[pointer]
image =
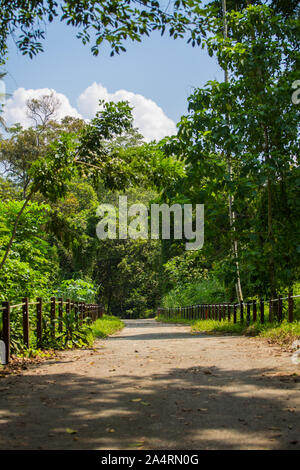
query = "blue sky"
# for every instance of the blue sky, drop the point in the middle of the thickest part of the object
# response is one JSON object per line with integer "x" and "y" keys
{"x": 159, "y": 68}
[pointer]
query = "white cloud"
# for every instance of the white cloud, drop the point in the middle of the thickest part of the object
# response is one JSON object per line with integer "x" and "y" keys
{"x": 15, "y": 107}
{"x": 149, "y": 118}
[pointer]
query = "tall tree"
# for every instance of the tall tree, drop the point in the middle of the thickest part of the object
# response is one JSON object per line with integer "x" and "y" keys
{"x": 73, "y": 155}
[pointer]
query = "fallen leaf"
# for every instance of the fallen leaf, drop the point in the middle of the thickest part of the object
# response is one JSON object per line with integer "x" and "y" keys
{"x": 71, "y": 431}
{"x": 137, "y": 444}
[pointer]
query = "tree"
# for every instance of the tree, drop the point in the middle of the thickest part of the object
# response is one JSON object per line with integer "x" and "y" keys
{"x": 32, "y": 266}
{"x": 261, "y": 137}
{"x": 17, "y": 153}
{"x": 42, "y": 110}
{"x": 126, "y": 270}
{"x": 274, "y": 63}
{"x": 26, "y": 145}
{"x": 73, "y": 155}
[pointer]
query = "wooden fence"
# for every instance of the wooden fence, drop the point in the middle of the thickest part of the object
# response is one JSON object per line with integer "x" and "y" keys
{"x": 57, "y": 309}
{"x": 251, "y": 311}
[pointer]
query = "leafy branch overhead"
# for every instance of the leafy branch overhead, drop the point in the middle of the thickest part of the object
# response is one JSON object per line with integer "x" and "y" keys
{"x": 116, "y": 22}
{"x": 111, "y": 21}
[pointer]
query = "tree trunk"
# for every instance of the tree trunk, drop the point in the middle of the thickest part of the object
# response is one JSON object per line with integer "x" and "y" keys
{"x": 234, "y": 242}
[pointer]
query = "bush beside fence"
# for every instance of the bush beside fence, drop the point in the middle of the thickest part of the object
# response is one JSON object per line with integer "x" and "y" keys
{"x": 58, "y": 308}
{"x": 251, "y": 311}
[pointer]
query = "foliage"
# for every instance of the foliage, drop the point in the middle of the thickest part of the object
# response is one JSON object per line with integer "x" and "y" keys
{"x": 30, "y": 270}
{"x": 115, "y": 22}
{"x": 75, "y": 333}
{"x": 106, "y": 325}
{"x": 194, "y": 293}
{"x": 108, "y": 20}
{"x": 127, "y": 273}
{"x": 241, "y": 140}
{"x": 8, "y": 191}
{"x": 236, "y": 152}
{"x": 77, "y": 290}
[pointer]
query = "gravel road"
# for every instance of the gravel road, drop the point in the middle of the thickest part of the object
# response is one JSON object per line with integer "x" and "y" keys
{"x": 156, "y": 386}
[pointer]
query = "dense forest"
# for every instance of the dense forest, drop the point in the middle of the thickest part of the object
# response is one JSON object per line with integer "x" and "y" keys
{"x": 236, "y": 151}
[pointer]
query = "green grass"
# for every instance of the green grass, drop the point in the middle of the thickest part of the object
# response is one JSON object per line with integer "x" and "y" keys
{"x": 174, "y": 319}
{"x": 278, "y": 333}
{"x": 106, "y": 326}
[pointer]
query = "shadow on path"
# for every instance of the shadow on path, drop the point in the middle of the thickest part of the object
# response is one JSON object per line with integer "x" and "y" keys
{"x": 184, "y": 409}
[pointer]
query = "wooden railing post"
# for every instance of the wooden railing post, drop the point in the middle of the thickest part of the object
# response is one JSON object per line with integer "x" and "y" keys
{"x": 270, "y": 310}
{"x": 229, "y": 312}
{"x": 6, "y": 329}
{"x": 234, "y": 313}
{"x": 39, "y": 331}
{"x": 68, "y": 305}
{"x": 76, "y": 311}
{"x": 262, "y": 311}
{"x": 254, "y": 311}
{"x": 280, "y": 308}
{"x": 248, "y": 313}
{"x": 25, "y": 309}
{"x": 290, "y": 308}
{"x": 241, "y": 311}
{"x": 52, "y": 316}
{"x": 60, "y": 314}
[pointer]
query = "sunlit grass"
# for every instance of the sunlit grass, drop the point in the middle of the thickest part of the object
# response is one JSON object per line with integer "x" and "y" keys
{"x": 105, "y": 326}
{"x": 283, "y": 333}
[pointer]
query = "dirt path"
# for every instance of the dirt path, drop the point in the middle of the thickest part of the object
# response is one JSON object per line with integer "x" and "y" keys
{"x": 155, "y": 386}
